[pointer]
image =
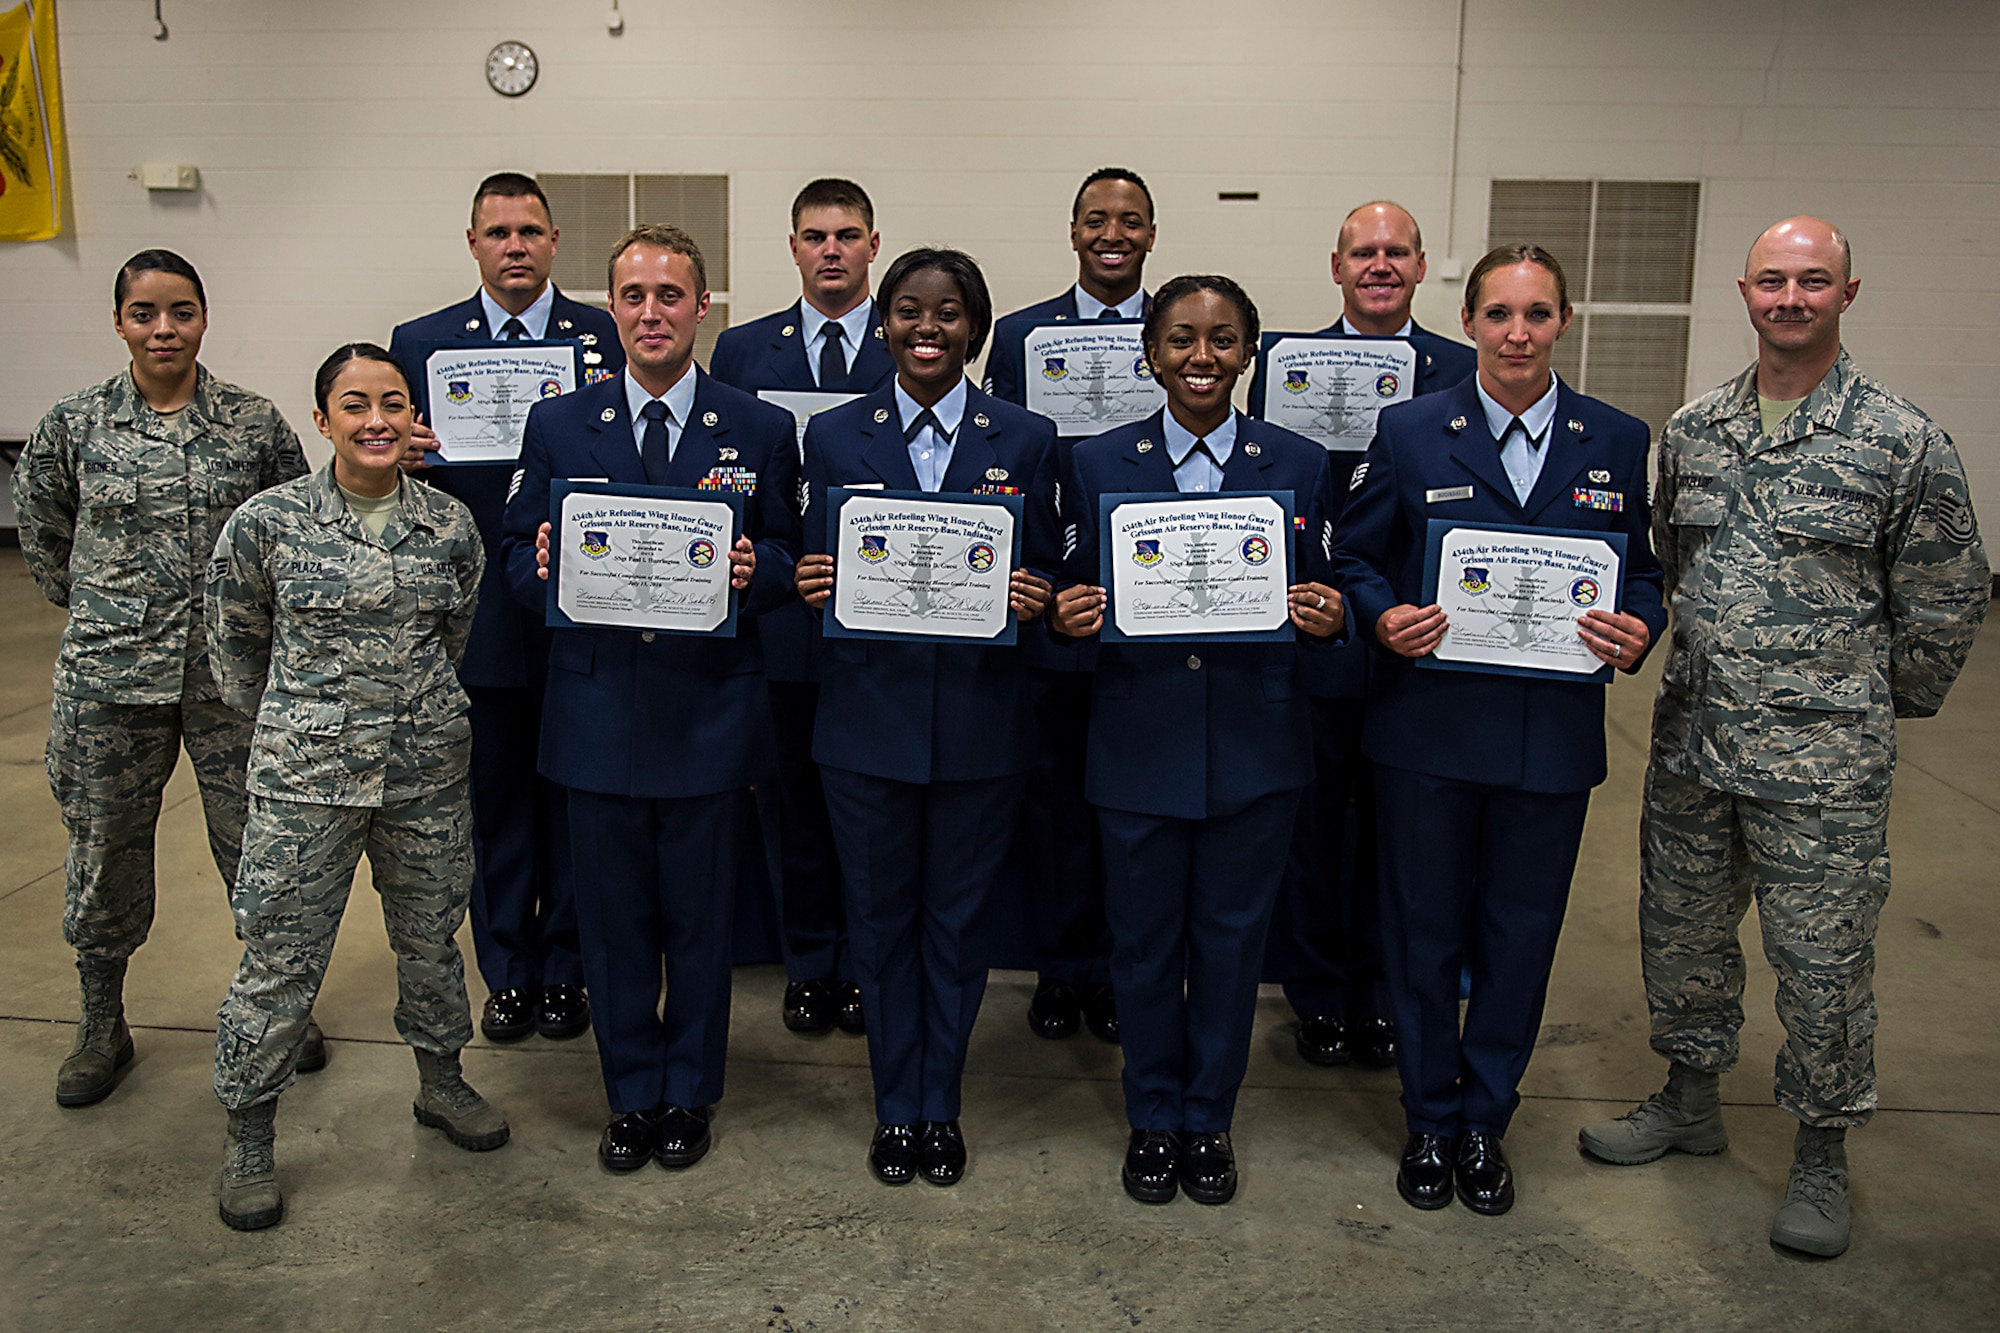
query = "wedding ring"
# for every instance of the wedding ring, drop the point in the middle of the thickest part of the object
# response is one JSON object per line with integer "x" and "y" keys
{"x": 1618, "y": 650}
{"x": 1322, "y": 601}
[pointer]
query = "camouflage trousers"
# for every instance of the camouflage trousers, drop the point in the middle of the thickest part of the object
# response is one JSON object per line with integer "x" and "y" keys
{"x": 108, "y": 764}
{"x": 1819, "y": 876}
{"x": 298, "y": 867}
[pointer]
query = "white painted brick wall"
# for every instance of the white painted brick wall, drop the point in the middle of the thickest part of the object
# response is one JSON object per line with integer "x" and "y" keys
{"x": 338, "y": 145}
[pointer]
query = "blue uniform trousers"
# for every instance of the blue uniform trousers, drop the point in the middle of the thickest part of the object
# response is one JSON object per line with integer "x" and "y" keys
{"x": 798, "y": 842}
{"x": 918, "y": 861}
{"x": 1190, "y": 903}
{"x": 523, "y": 910}
{"x": 1329, "y": 926}
{"x": 1060, "y": 857}
{"x": 1475, "y": 878}
{"x": 656, "y": 877}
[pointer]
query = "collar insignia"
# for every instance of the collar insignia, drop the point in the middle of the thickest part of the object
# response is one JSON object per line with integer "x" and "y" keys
{"x": 564, "y": 324}
{"x": 785, "y": 332}
{"x": 1253, "y": 449}
{"x": 881, "y": 415}
{"x": 471, "y": 324}
{"x": 1145, "y": 446}
{"x": 1456, "y": 425}
{"x": 1576, "y": 425}
{"x": 979, "y": 420}
{"x": 709, "y": 418}
{"x": 609, "y": 414}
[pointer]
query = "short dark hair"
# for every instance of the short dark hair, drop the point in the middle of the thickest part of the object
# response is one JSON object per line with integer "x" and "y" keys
{"x": 329, "y": 369}
{"x": 962, "y": 269}
{"x": 1110, "y": 174}
{"x": 155, "y": 261}
{"x": 833, "y": 192}
{"x": 1505, "y": 256}
{"x": 1173, "y": 289}
{"x": 511, "y": 185}
{"x": 665, "y": 236}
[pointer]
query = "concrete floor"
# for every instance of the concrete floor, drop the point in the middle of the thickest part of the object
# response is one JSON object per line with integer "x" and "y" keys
{"x": 107, "y": 1215}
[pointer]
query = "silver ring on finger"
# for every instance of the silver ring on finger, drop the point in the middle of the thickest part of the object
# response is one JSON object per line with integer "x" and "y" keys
{"x": 1618, "y": 650}
{"x": 1322, "y": 601}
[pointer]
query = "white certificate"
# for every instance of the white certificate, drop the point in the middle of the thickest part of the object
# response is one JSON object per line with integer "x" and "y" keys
{"x": 1088, "y": 378}
{"x": 1191, "y": 568}
{"x": 480, "y": 396}
{"x": 1512, "y": 599}
{"x": 803, "y": 405}
{"x": 643, "y": 562}
{"x": 1332, "y": 389}
{"x": 932, "y": 568}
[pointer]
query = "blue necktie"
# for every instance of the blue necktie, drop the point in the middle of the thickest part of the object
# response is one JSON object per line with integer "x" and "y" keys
{"x": 832, "y": 365}
{"x": 653, "y": 447}
{"x": 513, "y": 330}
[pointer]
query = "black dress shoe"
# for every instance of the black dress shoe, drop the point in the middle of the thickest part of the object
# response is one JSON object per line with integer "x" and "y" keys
{"x": 1100, "y": 1012}
{"x": 809, "y": 1005}
{"x": 1374, "y": 1043}
{"x": 941, "y": 1152}
{"x": 1208, "y": 1168}
{"x": 1485, "y": 1181}
{"x": 563, "y": 1013}
{"x": 1152, "y": 1165}
{"x": 683, "y": 1136}
{"x": 509, "y": 1014}
{"x": 1322, "y": 1040}
{"x": 1424, "y": 1178}
{"x": 628, "y": 1141}
{"x": 848, "y": 1015}
{"x": 1056, "y": 1011}
{"x": 892, "y": 1157}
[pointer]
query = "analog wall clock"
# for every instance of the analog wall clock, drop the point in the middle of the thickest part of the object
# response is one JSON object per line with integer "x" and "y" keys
{"x": 511, "y": 68}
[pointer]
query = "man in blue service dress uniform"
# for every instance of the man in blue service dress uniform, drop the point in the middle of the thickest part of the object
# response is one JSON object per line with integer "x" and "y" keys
{"x": 1484, "y": 779}
{"x": 828, "y": 341}
{"x": 1329, "y": 926}
{"x": 1111, "y": 229}
{"x": 657, "y": 735}
{"x": 523, "y": 913}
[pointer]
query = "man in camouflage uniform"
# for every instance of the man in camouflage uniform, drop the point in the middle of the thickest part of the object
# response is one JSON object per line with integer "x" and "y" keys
{"x": 342, "y": 638}
{"x": 121, "y": 490}
{"x": 1826, "y": 577}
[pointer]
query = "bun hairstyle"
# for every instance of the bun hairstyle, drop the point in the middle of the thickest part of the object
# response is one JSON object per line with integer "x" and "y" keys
{"x": 1174, "y": 289}
{"x": 1506, "y": 256}
{"x": 329, "y": 369}
{"x": 155, "y": 261}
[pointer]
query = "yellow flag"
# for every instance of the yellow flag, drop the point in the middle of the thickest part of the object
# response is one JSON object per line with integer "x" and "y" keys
{"x": 33, "y": 167}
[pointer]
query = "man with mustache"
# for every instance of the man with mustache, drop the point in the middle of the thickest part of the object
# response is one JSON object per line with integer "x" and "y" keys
{"x": 1826, "y": 577}
{"x": 1111, "y": 229}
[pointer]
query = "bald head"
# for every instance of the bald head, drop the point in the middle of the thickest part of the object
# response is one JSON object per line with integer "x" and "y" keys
{"x": 1377, "y": 264}
{"x": 1382, "y": 212}
{"x": 1811, "y": 239}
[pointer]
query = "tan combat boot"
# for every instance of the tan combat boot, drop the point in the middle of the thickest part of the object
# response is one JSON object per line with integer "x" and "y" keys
{"x": 103, "y": 1042}
{"x": 446, "y": 1101}
{"x": 250, "y": 1199}
{"x": 1685, "y": 1116}
{"x": 1814, "y": 1217}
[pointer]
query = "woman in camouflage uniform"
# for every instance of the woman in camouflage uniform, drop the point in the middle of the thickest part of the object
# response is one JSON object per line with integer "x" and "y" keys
{"x": 338, "y": 606}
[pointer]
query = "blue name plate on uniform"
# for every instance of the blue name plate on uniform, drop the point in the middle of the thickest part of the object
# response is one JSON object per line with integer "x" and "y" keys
{"x": 1514, "y": 593}
{"x": 646, "y": 566}
{"x": 1200, "y": 567}
{"x": 922, "y": 566}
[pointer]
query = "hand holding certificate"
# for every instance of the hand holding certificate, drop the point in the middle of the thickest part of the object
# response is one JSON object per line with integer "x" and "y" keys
{"x": 1520, "y": 601}
{"x": 479, "y": 396}
{"x": 653, "y": 558}
{"x": 910, "y": 565}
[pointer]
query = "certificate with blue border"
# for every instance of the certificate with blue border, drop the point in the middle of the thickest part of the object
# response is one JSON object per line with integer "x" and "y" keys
{"x": 642, "y": 557}
{"x": 922, "y": 566}
{"x": 1181, "y": 568}
{"x": 1512, "y": 596}
{"x": 476, "y": 395}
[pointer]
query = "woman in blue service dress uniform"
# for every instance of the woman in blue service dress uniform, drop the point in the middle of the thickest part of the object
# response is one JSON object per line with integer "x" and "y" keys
{"x": 1197, "y": 752}
{"x": 1483, "y": 779}
{"x": 924, "y": 747}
